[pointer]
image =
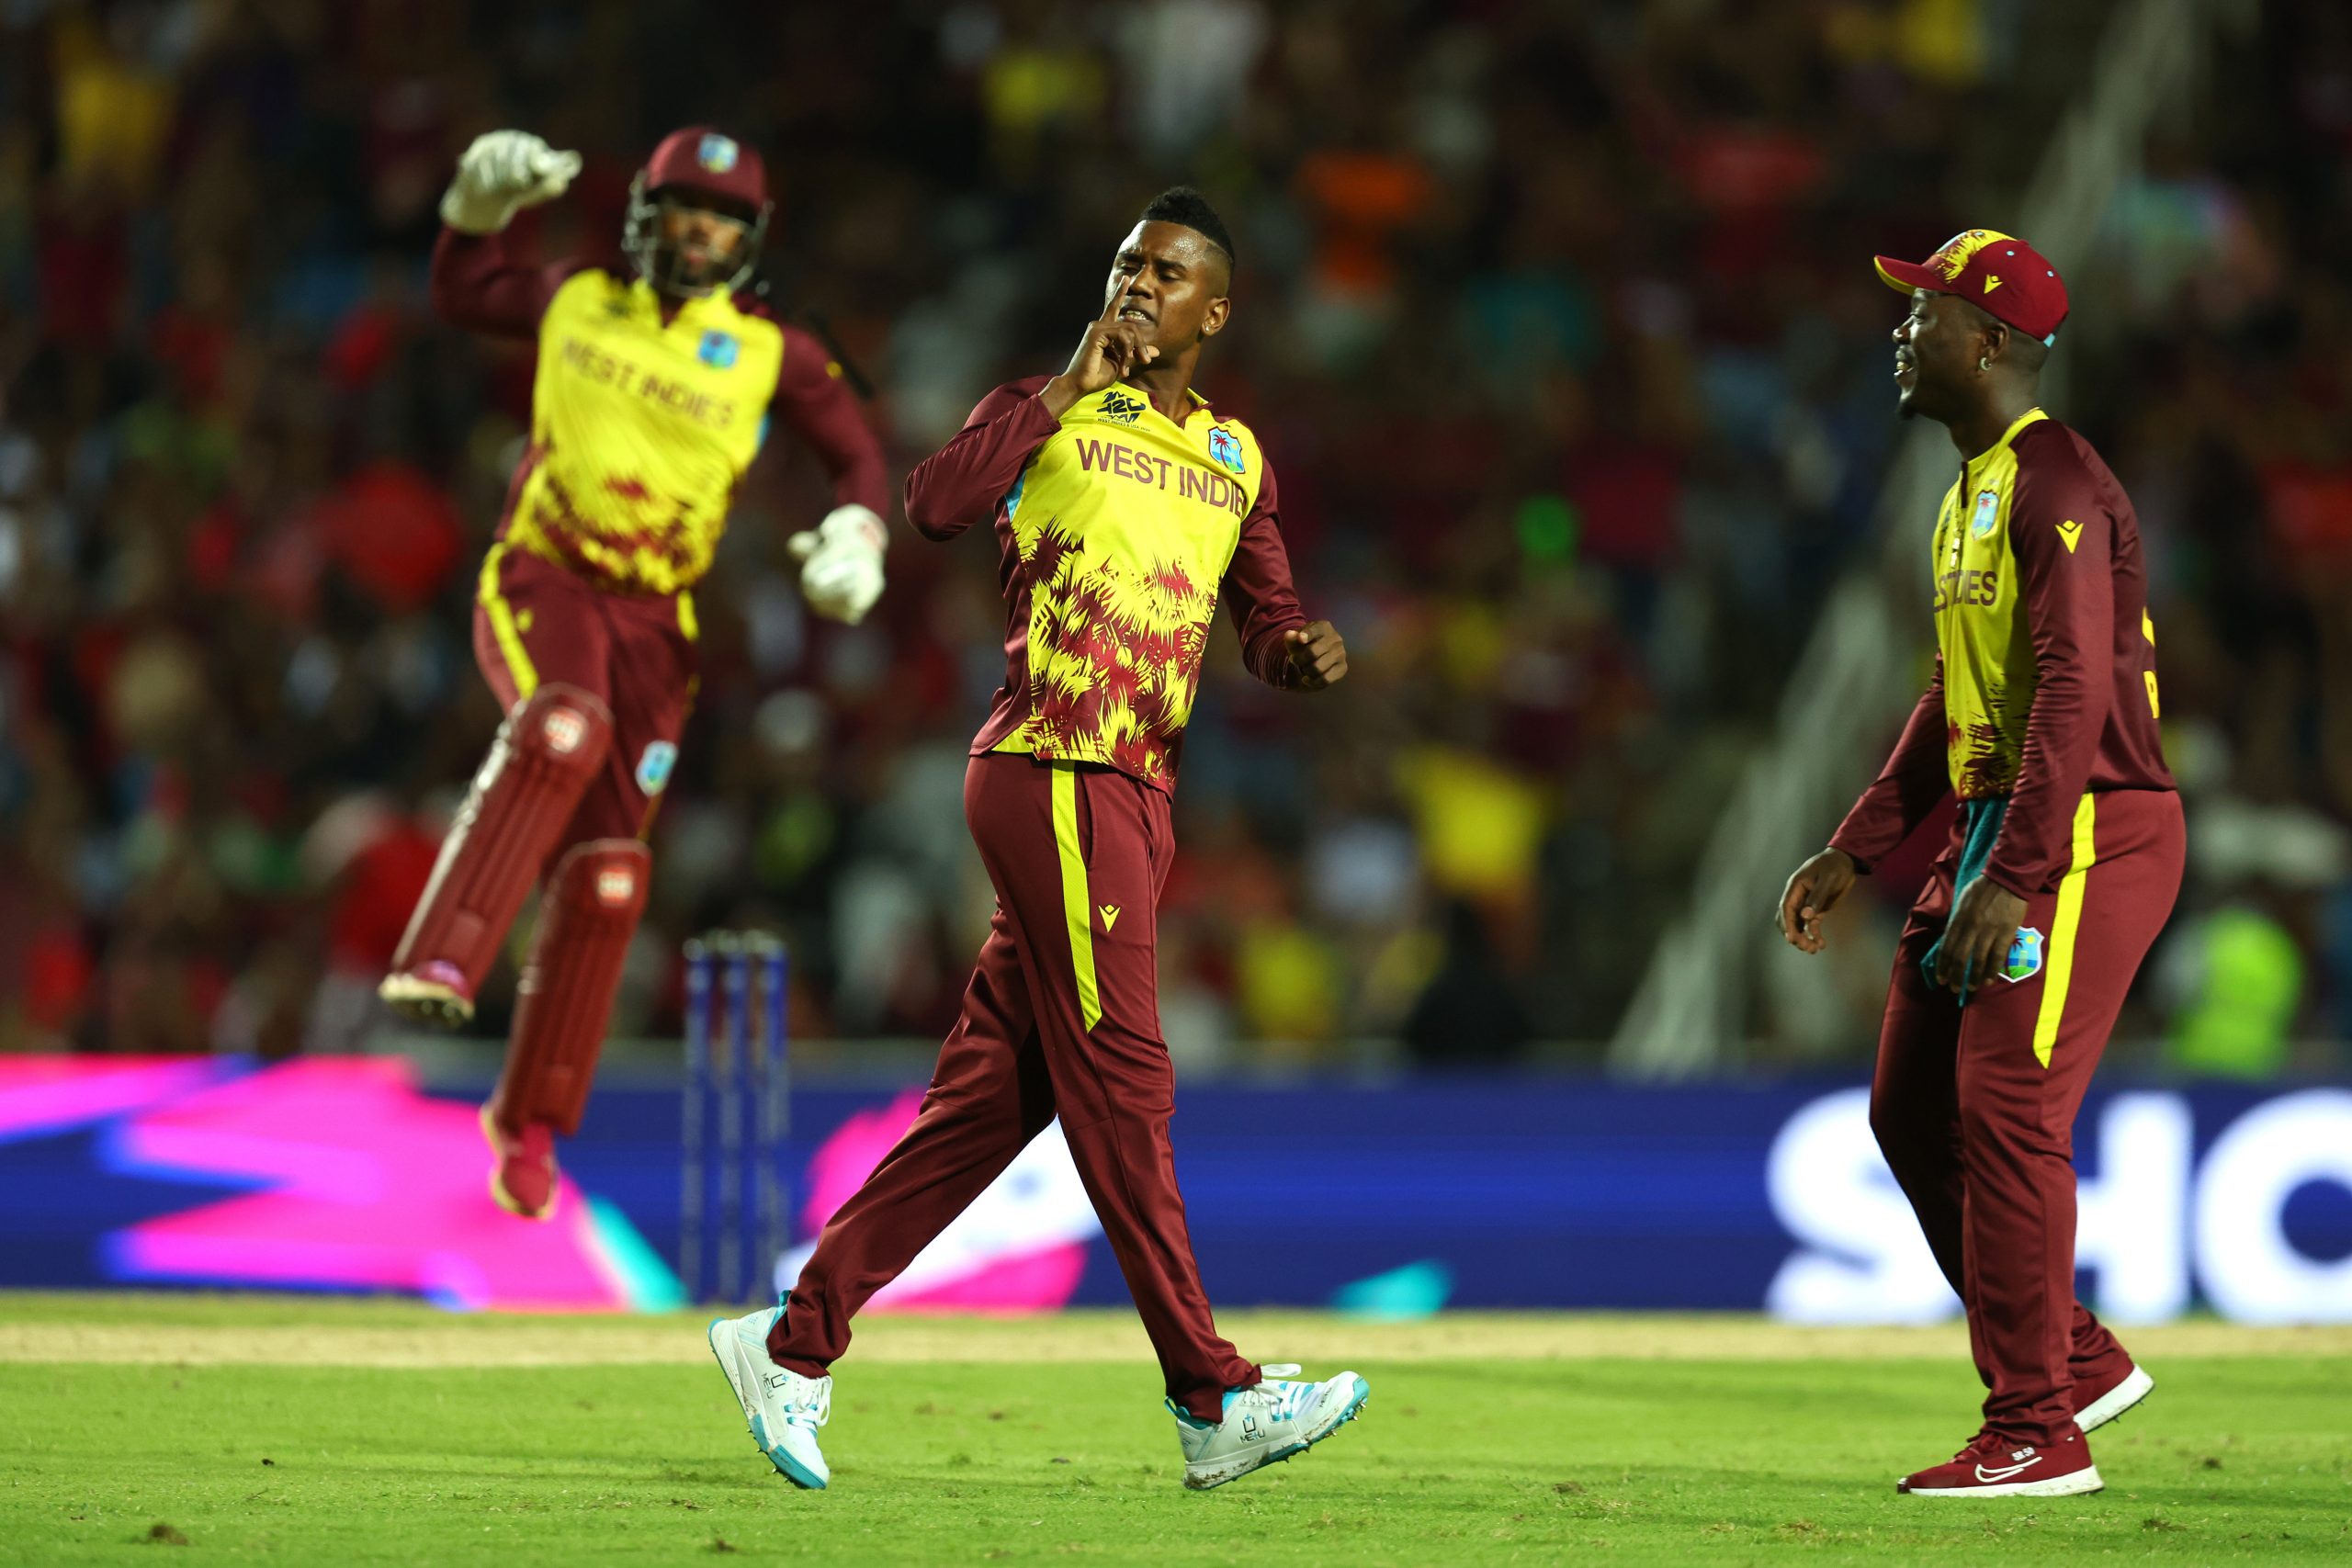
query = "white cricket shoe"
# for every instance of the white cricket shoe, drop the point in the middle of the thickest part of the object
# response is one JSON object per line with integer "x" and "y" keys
{"x": 783, "y": 1408}
{"x": 1265, "y": 1425}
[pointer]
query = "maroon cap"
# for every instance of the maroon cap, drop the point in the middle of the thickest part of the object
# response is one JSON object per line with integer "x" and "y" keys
{"x": 2008, "y": 279}
{"x": 712, "y": 161}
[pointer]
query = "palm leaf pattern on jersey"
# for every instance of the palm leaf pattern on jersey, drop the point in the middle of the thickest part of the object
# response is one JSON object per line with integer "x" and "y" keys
{"x": 1115, "y": 654}
{"x": 1985, "y": 756}
{"x": 626, "y": 544}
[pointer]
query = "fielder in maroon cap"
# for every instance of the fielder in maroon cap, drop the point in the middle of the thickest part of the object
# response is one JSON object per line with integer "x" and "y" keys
{"x": 652, "y": 398}
{"x": 2061, "y": 867}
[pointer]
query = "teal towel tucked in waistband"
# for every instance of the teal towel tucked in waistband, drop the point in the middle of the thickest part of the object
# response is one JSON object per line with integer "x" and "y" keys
{"x": 1981, "y": 823}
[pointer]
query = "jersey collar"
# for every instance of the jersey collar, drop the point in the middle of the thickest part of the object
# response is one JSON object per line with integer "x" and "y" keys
{"x": 1199, "y": 404}
{"x": 2029, "y": 417}
{"x": 2023, "y": 420}
{"x": 1995, "y": 450}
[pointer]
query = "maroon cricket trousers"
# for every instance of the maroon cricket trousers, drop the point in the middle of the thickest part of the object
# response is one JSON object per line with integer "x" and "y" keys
{"x": 1974, "y": 1107}
{"x": 536, "y": 622}
{"x": 1062, "y": 1017}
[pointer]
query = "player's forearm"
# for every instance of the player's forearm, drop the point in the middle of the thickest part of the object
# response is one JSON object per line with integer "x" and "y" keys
{"x": 475, "y": 286}
{"x": 2036, "y": 842}
{"x": 961, "y": 484}
{"x": 1915, "y": 780}
{"x": 462, "y": 267}
{"x": 1265, "y": 597}
{"x": 851, "y": 452}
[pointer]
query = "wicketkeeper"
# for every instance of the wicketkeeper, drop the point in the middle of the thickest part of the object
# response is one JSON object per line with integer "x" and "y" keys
{"x": 654, "y": 393}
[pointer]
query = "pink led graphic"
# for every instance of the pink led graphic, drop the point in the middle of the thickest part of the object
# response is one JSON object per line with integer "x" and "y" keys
{"x": 1020, "y": 1247}
{"x": 370, "y": 1185}
{"x": 49, "y": 1094}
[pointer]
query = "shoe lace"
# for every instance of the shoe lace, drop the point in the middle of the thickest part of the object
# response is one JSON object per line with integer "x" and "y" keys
{"x": 1275, "y": 1395}
{"x": 1987, "y": 1442}
{"x": 810, "y": 1409}
{"x": 807, "y": 1401}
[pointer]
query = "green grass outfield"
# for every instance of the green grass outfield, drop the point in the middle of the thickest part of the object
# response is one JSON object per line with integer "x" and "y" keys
{"x": 325, "y": 1431}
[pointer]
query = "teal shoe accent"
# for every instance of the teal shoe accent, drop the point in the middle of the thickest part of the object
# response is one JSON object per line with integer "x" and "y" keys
{"x": 1348, "y": 1413}
{"x": 1357, "y": 1397}
{"x": 1189, "y": 1419}
{"x": 807, "y": 1480}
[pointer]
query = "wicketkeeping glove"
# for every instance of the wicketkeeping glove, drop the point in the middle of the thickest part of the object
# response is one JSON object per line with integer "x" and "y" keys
{"x": 500, "y": 174}
{"x": 841, "y": 571}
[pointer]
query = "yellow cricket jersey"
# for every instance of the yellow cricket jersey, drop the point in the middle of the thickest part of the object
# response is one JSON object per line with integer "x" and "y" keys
{"x": 2045, "y": 692}
{"x": 641, "y": 426}
{"x": 1118, "y": 525}
{"x": 2046, "y": 688}
{"x": 641, "y": 430}
{"x": 1988, "y": 663}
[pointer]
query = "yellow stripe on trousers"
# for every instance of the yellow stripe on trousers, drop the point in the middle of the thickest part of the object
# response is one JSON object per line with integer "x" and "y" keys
{"x": 2064, "y": 928}
{"x": 1078, "y": 905}
{"x": 501, "y": 625}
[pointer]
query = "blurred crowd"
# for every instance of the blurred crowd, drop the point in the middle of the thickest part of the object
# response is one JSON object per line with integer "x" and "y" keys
{"x": 2227, "y": 408}
{"x": 1556, "y": 320}
{"x": 2209, "y": 360}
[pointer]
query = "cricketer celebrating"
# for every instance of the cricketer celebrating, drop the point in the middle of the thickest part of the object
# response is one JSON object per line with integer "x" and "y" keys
{"x": 1120, "y": 500}
{"x": 2061, "y": 867}
{"x": 652, "y": 397}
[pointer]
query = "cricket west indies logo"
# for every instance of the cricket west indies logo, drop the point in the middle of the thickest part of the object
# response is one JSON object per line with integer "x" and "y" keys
{"x": 1225, "y": 447}
{"x": 654, "y": 767}
{"x": 717, "y": 153}
{"x": 2024, "y": 961}
{"x": 719, "y": 350}
{"x": 1020, "y": 1247}
{"x": 1121, "y": 408}
{"x": 1987, "y": 513}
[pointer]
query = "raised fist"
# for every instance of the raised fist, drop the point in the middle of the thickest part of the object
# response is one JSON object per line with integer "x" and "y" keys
{"x": 500, "y": 174}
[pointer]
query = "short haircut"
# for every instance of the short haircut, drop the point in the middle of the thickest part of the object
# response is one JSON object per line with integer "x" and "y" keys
{"x": 1184, "y": 206}
{"x": 2028, "y": 351}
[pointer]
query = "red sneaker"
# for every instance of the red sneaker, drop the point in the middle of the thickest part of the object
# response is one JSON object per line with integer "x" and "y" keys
{"x": 524, "y": 1180}
{"x": 2096, "y": 1406}
{"x": 433, "y": 994}
{"x": 1996, "y": 1467}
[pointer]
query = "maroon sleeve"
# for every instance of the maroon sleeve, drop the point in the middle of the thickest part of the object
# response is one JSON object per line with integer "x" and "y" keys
{"x": 1916, "y": 777}
{"x": 2062, "y": 538}
{"x": 961, "y": 483}
{"x": 476, "y": 284}
{"x": 816, "y": 403}
{"x": 1265, "y": 605}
